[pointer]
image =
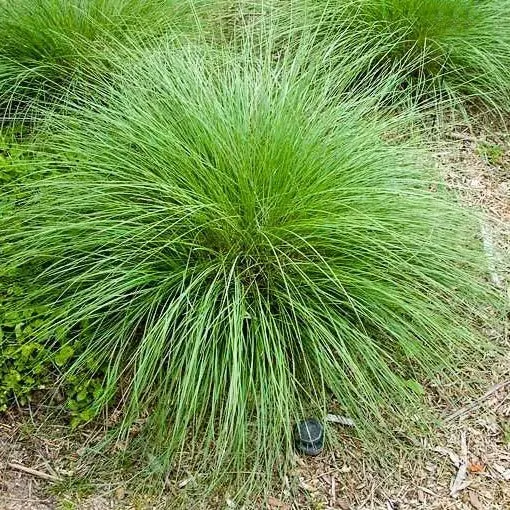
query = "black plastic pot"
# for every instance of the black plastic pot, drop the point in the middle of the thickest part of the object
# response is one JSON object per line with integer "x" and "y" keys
{"x": 309, "y": 437}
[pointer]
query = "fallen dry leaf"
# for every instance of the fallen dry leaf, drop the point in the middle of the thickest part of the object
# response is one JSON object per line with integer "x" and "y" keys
{"x": 455, "y": 459}
{"x": 343, "y": 504}
{"x": 183, "y": 483}
{"x": 476, "y": 467}
{"x": 460, "y": 483}
{"x": 277, "y": 503}
{"x": 120, "y": 493}
{"x": 475, "y": 502}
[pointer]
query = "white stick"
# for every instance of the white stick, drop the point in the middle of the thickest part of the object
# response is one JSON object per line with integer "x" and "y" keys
{"x": 488, "y": 246}
{"x": 33, "y": 472}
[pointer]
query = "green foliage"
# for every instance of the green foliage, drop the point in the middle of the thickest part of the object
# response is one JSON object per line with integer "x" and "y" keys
{"x": 12, "y": 153}
{"x": 491, "y": 153}
{"x": 28, "y": 368}
{"x": 505, "y": 429}
{"x": 243, "y": 251}
{"x": 455, "y": 50}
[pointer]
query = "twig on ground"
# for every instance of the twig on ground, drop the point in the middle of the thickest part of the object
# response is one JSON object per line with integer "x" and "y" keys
{"x": 462, "y": 136}
{"x": 460, "y": 483}
{"x": 33, "y": 472}
{"x": 340, "y": 420}
{"x": 477, "y": 403}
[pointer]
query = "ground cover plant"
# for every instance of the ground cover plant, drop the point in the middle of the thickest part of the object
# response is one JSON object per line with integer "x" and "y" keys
{"x": 46, "y": 45}
{"x": 447, "y": 50}
{"x": 28, "y": 369}
{"x": 245, "y": 253}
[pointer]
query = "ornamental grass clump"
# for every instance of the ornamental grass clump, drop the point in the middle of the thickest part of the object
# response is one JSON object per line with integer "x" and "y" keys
{"x": 246, "y": 256}
{"x": 445, "y": 50}
{"x": 47, "y": 45}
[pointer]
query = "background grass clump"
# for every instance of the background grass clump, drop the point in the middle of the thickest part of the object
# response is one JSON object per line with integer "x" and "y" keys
{"x": 444, "y": 50}
{"x": 46, "y": 45}
{"x": 244, "y": 253}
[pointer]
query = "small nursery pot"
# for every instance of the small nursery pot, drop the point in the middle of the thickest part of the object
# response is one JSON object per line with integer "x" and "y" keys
{"x": 309, "y": 437}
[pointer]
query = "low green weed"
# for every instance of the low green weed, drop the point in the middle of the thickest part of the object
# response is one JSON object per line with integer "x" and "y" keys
{"x": 29, "y": 370}
{"x": 491, "y": 153}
